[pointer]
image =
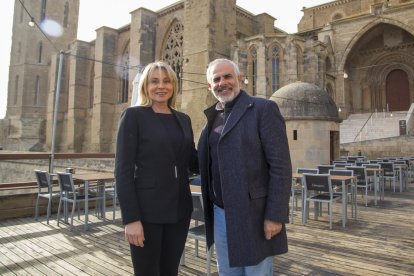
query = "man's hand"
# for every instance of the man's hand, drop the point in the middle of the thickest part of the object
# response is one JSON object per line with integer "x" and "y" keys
{"x": 271, "y": 228}
{"x": 134, "y": 233}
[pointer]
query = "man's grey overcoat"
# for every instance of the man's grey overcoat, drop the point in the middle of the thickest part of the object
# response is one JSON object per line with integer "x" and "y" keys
{"x": 256, "y": 173}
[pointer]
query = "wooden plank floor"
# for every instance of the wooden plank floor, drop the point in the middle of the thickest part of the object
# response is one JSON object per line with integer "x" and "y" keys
{"x": 381, "y": 242}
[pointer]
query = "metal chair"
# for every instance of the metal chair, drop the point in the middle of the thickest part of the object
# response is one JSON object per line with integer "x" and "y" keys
{"x": 198, "y": 232}
{"x": 110, "y": 191}
{"x": 296, "y": 190}
{"x": 337, "y": 186}
{"x": 68, "y": 194}
{"x": 44, "y": 190}
{"x": 402, "y": 173}
{"x": 318, "y": 189}
{"x": 325, "y": 168}
{"x": 362, "y": 180}
{"x": 389, "y": 173}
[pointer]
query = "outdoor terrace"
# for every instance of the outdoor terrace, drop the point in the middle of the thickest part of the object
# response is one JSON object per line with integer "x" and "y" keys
{"x": 381, "y": 242}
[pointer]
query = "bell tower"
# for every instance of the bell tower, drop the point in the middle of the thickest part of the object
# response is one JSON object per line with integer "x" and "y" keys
{"x": 54, "y": 29}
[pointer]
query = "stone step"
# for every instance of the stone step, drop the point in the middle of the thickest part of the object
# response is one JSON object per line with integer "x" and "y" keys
{"x": 366, "y": 127}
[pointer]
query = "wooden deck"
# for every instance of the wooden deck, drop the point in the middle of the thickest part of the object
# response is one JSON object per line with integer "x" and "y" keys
{"x": 381, "y": 242}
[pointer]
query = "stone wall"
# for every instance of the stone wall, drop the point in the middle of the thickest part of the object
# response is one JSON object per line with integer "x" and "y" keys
{"x": 393, "y": 147}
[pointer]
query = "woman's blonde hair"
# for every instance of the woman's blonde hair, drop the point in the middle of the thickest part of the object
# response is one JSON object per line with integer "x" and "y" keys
{"x": 145, "y": 100}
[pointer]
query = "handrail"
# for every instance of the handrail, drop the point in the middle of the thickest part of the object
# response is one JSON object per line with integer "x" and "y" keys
{"x": 46, "y": 155}
{"x": 11, "y": 156}
{"x": 363, "y": 126}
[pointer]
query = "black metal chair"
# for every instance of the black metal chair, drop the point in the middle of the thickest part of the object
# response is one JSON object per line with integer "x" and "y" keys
{"x": 375, "y": 176}
{"x": 323, "y": 169}
{"x": 337, "y": 186}
{"x": 318, "y": 189}
{"x": 296, "y": 190}
{"x": 45, "y": 190}
{"x": 68, "y": 194}
{"x": 198, "y": 232}
{"x": 110, "y": 191}
{"x": 389, "y": 173}
{"x": 362, "y": 180}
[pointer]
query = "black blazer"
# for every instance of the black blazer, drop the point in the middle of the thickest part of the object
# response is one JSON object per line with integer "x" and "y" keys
{"x": 152, "y": 182}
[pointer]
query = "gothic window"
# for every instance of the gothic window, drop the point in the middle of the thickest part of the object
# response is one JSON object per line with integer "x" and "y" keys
{"x": 328, "y": 64}
{"x": 173, "y": 50}
{"x": 37, "y": 91}
{"x": 330, "y": 91}
{"x": 19, "y": 51}
{"x": 123, "y": 95}
{"x": 91, "y": 86}
{"x": 275, "y": 67}
{"x": 21, "y": 13}
{"x": 40, "y": 50}
{"x": 16, "y": 89}
{"x": 252, "y": 70}
{"x": 43, "y": 10}
{"x": 66, "y": 15}
{"x": 299, "y": 63}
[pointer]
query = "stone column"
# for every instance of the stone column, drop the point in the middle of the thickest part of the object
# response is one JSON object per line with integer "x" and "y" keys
{"x": 78, "y": 96}
{"x": 261, "y": 70}
{"x": 142, "y": 43}
{"x": 105, "y": 92}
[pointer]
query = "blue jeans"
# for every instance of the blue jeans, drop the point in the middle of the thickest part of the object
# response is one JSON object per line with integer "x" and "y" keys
{"x": 264, "y": 268}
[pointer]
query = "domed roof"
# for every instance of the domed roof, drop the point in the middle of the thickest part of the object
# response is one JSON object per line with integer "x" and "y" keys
{"x": 302, "y": 100}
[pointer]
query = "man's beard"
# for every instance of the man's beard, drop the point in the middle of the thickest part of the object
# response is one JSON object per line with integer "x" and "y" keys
{"x": 226, "y": 98}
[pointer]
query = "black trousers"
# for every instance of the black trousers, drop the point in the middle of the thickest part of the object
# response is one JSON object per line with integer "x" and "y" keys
{"x": 163, "y": 246}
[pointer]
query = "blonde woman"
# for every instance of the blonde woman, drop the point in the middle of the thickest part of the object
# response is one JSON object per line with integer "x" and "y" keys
{"x": 154, "y": 152}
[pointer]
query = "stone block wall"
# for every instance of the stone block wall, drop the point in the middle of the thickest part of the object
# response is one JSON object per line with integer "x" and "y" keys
{"x": 372, "y": 149}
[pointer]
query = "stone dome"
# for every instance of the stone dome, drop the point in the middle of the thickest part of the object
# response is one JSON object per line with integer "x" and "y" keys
{"x": 302, "y": 100}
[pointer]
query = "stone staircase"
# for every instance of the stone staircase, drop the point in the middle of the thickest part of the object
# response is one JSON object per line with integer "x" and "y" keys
{"x": 367, "y": 126}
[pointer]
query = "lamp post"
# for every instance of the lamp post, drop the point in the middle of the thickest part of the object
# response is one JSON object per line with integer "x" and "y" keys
{"x": 55, "y": 112}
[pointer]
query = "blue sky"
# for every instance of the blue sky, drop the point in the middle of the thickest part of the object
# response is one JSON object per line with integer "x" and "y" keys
{"x": 116, "y": 14}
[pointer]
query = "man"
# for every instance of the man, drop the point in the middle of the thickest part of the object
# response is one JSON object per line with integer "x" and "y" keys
{"x": 245, "y": 174}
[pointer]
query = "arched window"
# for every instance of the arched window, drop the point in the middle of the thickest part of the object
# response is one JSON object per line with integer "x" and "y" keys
{"x": 16, "y": 89}
{"x": 43, "y": 10}
{"x": 330, "y": 91}
{"x": 37, "y": 91}
{"x": 299, "y": 63}
{"x": 19, "y": 51}
{"x": 328, "y": 64}
{"x": 91, "y": 86}
{"x": 66, "y": 15}
{"x": 123, "y": 95}
{"x": 173, "y": 50}
{"x": 21, "y": 13}
{"x": 252, "y": 70}
{"x": 275, "y": 67}
{"x": 40, "y": 52}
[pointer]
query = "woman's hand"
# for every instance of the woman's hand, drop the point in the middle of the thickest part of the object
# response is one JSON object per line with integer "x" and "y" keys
{"x": 134, "y": 233}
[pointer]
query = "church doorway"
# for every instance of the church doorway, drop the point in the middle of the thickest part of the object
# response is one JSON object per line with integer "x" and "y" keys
{"x": 397, "y": 91}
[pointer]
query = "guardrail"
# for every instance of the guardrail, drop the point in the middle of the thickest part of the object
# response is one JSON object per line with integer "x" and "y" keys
{"x": 13, "y": 156}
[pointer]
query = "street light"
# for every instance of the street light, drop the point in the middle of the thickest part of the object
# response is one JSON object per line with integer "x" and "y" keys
{"x": 31, "y": 22}
{"x": 55, "y": 113}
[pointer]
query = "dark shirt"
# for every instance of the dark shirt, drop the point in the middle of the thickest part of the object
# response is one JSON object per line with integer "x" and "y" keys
{"x": 176, "y": 137}
{"x": 215, "y": 133}
{"x": 173, "y": 130}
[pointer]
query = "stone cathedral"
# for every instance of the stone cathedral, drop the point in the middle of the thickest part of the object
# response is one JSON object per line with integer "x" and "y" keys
{"x": 361, "y": 52}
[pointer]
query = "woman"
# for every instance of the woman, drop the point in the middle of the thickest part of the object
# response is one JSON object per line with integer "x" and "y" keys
{"x": 154, "y": 152}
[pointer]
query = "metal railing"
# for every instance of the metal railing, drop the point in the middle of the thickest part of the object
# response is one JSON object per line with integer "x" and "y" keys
{"x": 15, "y": 156}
